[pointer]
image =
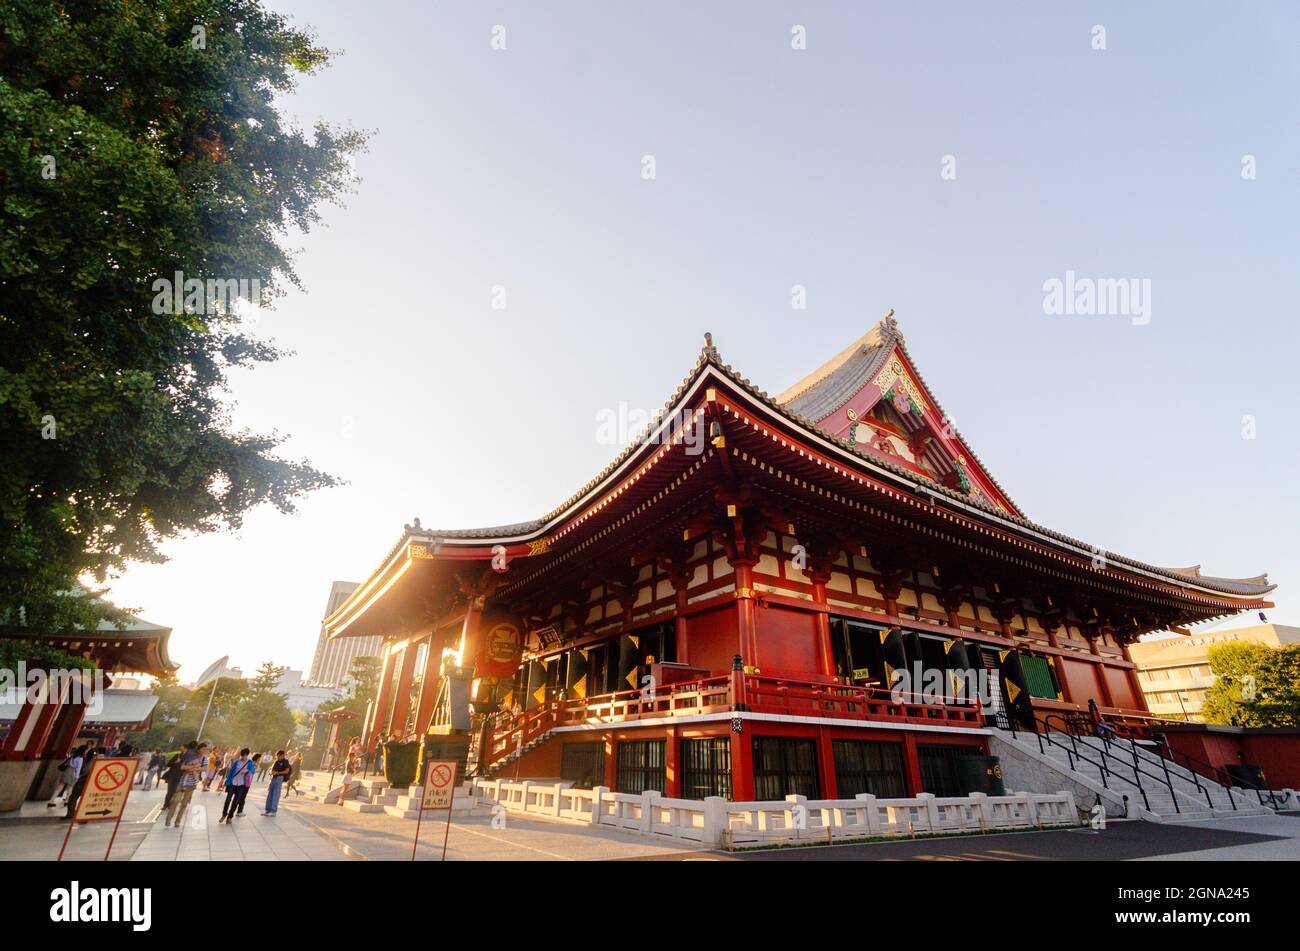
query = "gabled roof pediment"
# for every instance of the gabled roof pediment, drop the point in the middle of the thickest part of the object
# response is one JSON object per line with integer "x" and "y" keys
{"x": 871, "y": 394}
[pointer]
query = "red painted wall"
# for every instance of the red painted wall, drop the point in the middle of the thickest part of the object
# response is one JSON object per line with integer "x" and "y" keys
{"x": 1082, "y": 678}
{"x": 712, "y": 638}
{"x": 1277, "y": 753}
{"x": 1121, "y": 688}
{"x": 787, "y": 642}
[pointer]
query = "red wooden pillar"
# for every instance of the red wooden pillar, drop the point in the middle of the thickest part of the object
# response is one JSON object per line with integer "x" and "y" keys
{"x": 825, "y": 655}
{"x": 402, "y": 695}
{"x": 65, "y": 731}
{"x": 742, "y": 762}
{"x": 672, "y": 767}
{"x": 1099, "y": 673}
{"x": 821, "y": 563}
{"x": 611, "y": 763}
{"x": 912, "y": 764}
{"x": 682, "y": 629}
{"x": 826, "y": 764}
{"x": 429, "y": 683}
{"x": 32, "y": 727}
{"x": 383, "y": 697}
{"x": 746, "y": 637}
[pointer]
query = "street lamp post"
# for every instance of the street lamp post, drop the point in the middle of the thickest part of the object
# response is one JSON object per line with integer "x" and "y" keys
{"x": 207, "y": 710}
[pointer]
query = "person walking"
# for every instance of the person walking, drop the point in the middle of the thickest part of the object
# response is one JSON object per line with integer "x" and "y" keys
{"x": 263, "y": 767}
{"x": 142, "y": 766}
{"x": 295, "y": 774}
{"x": 69, "y": 773}
{"x": 238, "y": 776}
{"x": 154, "y": 770}
{"x": 279, "y": 770}
{"x": 253, "y": 765}
{"x": 171, "y": 775}
{"x": 192, "y": 760}
{"x": 75, "y": 794}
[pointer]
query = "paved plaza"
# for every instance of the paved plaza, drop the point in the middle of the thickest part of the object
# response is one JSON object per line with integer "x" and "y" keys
{"x": 306, "y": 830}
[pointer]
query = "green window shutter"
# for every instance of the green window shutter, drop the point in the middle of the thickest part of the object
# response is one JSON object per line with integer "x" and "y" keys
{"x": 1038, "y": 675}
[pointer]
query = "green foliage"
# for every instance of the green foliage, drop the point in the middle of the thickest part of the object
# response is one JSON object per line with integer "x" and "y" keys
{"x": 38, "y": 655}
{"x": 362, "y": 685}
{"x": 127, "y": 154}
{"x": 1255, "y": 686}
{"x": 243, "y": 713}
{"x": 164, "y": 732}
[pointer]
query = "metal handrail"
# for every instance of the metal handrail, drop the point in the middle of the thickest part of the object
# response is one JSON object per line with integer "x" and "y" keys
{"x": 1072, "y": 751}
{"x": 1138, "y": 772}
{"x": 1164, "y": 765}
{"x": 1222, "y": 776}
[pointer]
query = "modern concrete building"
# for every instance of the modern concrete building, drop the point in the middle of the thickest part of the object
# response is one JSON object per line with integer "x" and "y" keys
{"x": 1174, "y": 672}
{"x": 333, "y": 660}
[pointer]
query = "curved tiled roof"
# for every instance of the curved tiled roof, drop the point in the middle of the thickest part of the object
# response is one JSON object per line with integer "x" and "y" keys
{"x": 849, "y": 366}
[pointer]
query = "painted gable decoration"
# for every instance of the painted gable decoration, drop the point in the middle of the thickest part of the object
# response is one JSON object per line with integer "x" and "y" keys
{"x": 871, "y": 396}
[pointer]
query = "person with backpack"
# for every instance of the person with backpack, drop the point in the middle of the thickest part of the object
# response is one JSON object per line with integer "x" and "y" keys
{"x": 238, "y": 778}
{"x": 171, "y": 775}
{"x": 192, "y": 761}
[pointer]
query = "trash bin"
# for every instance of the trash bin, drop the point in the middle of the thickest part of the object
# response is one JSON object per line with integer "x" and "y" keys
{"x": 982, "y": 774}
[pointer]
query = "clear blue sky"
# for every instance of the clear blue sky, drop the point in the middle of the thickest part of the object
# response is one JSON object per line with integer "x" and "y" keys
{"x": 776, "y": 167}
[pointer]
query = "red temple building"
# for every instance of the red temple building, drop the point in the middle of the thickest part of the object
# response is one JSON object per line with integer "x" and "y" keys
{"x": 724, "y": 609}
{"x": 39, "y": 729}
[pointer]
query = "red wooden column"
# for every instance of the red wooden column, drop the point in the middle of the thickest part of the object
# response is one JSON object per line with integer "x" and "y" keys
{"x": 383, "y": 697}
{"x": 742, "y": 763}
{"x": 32, "y": 727}
{"x": 742, "y": 747}
{"x": 672, "y": 764}
{"x": 402, "y": 695}
{"x": 1099, "y": 672}
{"x": 680, "y": 578}
{"x": 430, "y": 680}
{"x": 826, "y": 764}
{"x": 746, "y": 629}
{"x": 912, "y": 764}
{"x": 1051, "y": 624}
{"x": 820, "y": 564}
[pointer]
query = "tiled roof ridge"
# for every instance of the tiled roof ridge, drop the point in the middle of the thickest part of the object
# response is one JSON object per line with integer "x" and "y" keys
{"x": 709, "y": 355}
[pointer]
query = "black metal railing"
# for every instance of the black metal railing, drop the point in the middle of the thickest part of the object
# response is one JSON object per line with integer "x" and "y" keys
{"x": 1220, "y": 775}
{"x": 1075, "y": 726}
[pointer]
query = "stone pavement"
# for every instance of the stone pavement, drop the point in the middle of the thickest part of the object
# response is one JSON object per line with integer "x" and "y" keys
{"x": 253, "y": 838}
{"x": 37, "y": 833}
{"x": 379, "y": 836}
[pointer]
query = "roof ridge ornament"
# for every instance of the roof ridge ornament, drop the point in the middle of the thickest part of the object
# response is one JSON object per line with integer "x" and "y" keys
{"x": 710, "y": 352}
{"x": 890, "y": 326}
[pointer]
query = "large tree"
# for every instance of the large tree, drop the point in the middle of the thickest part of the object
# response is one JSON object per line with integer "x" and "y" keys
{"x": 139, "y": 138}
{"x": 1255, "y": 685}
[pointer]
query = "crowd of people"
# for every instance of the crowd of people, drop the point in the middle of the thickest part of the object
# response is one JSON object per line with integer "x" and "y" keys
{"x": 230, "y": 770}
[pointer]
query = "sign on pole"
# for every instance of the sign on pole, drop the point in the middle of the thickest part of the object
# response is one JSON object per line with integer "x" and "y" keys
{"x": 104, "y": 795}
{"x": 439, "y": 792}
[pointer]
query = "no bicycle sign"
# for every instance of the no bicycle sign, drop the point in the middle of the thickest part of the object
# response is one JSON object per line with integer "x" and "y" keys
{"x": 107, "y": 787}
{"x": 439, "y": 791}
{"x": 439, "y": 785}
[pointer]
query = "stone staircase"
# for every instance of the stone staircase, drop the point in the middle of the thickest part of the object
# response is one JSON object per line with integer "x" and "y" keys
{"x": 1157, "y": 790}
{"x": 510, "y": 757}
{"x": 373, "y": 794}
